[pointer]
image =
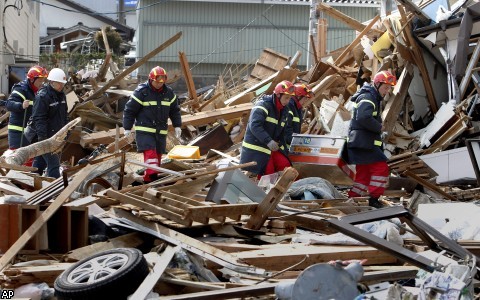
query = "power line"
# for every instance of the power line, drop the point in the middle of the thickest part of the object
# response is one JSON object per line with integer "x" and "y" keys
{"x": 101, "y": 13}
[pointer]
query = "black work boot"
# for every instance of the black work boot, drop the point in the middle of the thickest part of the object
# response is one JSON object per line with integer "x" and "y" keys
{"x": 373, "y": 202}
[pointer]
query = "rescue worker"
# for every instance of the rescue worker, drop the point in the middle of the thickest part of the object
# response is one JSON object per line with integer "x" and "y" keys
{"x": 364, "y": 144}
{"x": 20, "y": 104}
{"x": 295, "y": 115}
{"x": 264, "y": 140}
{"x": 50, "y": 114}
{"x": 150, "y": 106}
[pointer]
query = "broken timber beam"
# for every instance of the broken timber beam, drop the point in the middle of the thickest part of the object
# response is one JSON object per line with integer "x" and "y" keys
{"x": 428, "y": 185}
{"x": 356, "y": 41}
{"x": 270, "y": 201}
{"x": 106, "y": 62}
{"x": 133, "y": 67}
{"x": 394, "y": 106}
{"x": 351, "y": 22}
{"x": 206, "y": 117}
{"x": 192, "y": 92}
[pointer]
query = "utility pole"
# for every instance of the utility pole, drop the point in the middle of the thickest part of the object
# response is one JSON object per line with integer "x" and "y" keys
{"x": 121, "y": 12}
{"x": 311, "y": 30}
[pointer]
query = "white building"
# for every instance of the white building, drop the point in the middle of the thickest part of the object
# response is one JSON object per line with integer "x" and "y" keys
{"x": 19, "y": 44}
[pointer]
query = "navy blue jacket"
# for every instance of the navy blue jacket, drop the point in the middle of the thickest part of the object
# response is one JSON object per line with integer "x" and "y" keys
{"x": 149, "y": 110}
{"x": 20, "y": 92}
{"x": 263, "y": 126}
{"x": 50, "y": 112}
{"x": 364, "y": 142}
{"x": 294, "y": 121}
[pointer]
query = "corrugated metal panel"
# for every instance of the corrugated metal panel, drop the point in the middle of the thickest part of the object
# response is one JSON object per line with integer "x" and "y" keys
{"x": 218, "y": 32}
{"x": 224, "y": 38}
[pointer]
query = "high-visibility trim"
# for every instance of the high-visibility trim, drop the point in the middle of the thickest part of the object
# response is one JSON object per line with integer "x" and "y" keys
{"x": 168, "y": 103}
{"x": 30, "y": 102}
{"x": 377, "y": 143}
{"x": 150, "y": 161}
{"x": 282, "y": 124}
{"x": 138, "y": 100}
{"x": 149, "y": 103}
{"x": 379, "y": 184}
{"x": 146, "y": 129}
{"x": 360, "y": 186}
{"x": 368, "y": 101}
{"x": 20, "y": 94}
{"x": 261, "y": 107}
{"x": 272, "y": 120}
{"x": 374, "y": 113}
{"x": 282, "y": 147}
{"x": 15, "y": 127}
{"x": 290, "y": 112}
{"x": 256, "y": 148}
{"x": 296, "y": 119}
{"x": 150, "y": 129}
{"x": 380, "y": 178}
{"x": 359, "y": 192}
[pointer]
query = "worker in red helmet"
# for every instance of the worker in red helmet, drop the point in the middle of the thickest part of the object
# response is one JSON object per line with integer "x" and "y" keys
{"x": 364, "y": 144}
{"x": 264, "y": 140}
{"x": 20, "y": 103}
{"x": 295, "y": 114}
{"x": 149, "y": 108}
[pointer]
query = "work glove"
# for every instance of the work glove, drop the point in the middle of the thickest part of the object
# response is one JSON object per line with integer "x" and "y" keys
{"x": 127, "y": 133}
{"x": 178, "y": 132}
{"x": 272, "y": 145}
{"x": 25, "y": 104}
{"x": 384, "y": 135}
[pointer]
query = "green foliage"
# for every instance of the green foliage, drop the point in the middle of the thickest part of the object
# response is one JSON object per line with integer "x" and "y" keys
{"x": 74, "y": 60}
{"x": 114, "y": 39}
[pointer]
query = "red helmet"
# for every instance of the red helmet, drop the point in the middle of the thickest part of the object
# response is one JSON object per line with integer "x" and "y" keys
{"x": 157, "y": 71}
{"x": 37, "y": 71}
{"x": 285, "y": 87}
{"x": 384, "y": 77}
{"x": 303, "y": 90}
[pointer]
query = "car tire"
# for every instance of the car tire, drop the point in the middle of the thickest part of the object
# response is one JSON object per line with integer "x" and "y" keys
{"x": 111, "y": 274}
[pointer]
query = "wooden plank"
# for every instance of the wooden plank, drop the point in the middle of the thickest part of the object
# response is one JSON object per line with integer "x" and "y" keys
{"x": 206, "y": 117}
{"x": 187, "y": 75}
{"x": 108, "y": 56}
{"x": 351, "y": 22}
{"x": 280, "y": 258}
{"x": 150, "y": 207}
{"x": 8, "y": 189}
{"x": 161, "y": 263}
{"x": 418, "y": 57}
{"x": 45, "y": 216}
{"x": 322, "y": 37}
{"x": 190, "y": 244}
{"x": 428, "y": 185}
{"x": 133, "y": 67}
{"x": 394, "y": 106}
{"x": 355, "y": 42}
{"x": 271, "y": 200}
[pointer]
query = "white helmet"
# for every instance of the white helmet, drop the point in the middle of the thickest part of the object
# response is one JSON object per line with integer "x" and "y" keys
{"x": 57, "y": 75}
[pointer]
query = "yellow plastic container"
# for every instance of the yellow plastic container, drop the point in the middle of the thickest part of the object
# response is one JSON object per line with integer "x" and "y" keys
{"x": 184, "y": 152}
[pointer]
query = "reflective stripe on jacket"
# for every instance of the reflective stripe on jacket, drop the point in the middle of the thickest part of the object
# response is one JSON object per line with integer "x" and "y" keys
{"x": 364, "y": 136}
{"x": 149, "y": 110}
{"x": 263, "y": 126}
{"x": 20, "y": 92}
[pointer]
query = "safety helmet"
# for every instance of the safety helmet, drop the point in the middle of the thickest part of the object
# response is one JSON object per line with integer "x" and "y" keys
{"x": 384, "y": 77}
{"x": 157, "y": 71}
{"x": 57, "y": 75}
{"x": 303, "y": 90}
{"x": 37, "y": 71}
{"x": 284, "y": 87}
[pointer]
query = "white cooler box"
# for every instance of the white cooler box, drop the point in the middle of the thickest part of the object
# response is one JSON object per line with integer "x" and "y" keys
{"x": 320, "y": 156}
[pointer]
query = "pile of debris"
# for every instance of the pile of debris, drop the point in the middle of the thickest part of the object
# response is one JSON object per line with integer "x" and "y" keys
{"x": 206, "y": 230}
